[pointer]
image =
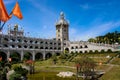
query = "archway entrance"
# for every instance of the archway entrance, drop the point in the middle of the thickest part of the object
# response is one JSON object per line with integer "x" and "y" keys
{"x": 27, "y": 56}
{"x": 15, "y": 56}
{"x": 57, "y": 54}
{"x": 48, "y": 55}
{"x": 39, "y": 56}
{"x": 66, "y": 50}
{"x": 3, "y": 56}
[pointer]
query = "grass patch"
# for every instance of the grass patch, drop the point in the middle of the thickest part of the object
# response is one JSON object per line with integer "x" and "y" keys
{"x": 113, "y": 74}
{"x": 116, "y": 61}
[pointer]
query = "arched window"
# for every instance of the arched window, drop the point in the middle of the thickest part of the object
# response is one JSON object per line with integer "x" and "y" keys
{"x": 81, "y": 47}
{"x": 59, "y": 48}
{"x": 36, "y": 47}
{"x": 72, "y": 47}
{"x": 76, "y": 47}
{"x": 46, "y": 47}
{"x": 31, "y": 47}
{"x": 51, "y": 48}
{"x": 36, "y": 42}
{"x": 31, "y": 41}
{"x": 25, "y": 46}
{"x": 19, "y": 46}
{"x": 86, "y": 46}
{"x": 41, "y": 47}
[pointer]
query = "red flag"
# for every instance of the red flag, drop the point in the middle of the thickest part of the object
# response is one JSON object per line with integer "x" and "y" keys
{"x": 3, "y": 13}
{"x": 16, "y": 11}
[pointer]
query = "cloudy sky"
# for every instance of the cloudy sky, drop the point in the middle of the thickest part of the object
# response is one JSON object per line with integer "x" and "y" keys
{"x": 87, "y": 18}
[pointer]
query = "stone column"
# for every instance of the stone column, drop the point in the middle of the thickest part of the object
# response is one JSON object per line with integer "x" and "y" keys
{"x": 22, "y": 55}
{"x": 44, "y": 55}
{"x": 33, "y": 56}
{"x": 8, "y": 55}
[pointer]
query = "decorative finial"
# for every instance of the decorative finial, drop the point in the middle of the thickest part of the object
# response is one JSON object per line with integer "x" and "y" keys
{"x": 61, "y": 15}
{"x": 16, "y": 27}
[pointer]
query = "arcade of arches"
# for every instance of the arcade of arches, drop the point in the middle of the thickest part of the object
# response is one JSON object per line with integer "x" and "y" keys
{"x": 19, "y": 56}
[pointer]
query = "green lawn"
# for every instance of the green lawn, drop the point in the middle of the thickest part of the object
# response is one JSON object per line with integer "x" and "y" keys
{"x": 100, "y": 57}
{"x": 113, "y": 74}
{"x": 116, "y": 61}
{"x": 46, "y": 70}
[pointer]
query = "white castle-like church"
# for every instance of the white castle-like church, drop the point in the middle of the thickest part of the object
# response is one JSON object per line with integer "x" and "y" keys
{"x": 15, "y": 43}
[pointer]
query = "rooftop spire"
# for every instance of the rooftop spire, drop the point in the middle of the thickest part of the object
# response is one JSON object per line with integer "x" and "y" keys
{"x": 62, "y": 20}
{"x": 61, "y": 15}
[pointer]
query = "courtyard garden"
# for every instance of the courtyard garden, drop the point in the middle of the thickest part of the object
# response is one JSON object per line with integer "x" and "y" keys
{"x": 48, "y": 69}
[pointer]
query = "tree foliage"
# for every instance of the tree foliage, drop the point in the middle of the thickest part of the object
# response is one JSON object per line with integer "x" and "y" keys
{"x": 19, "y": 73}
{"x": 109, "y": 38}
{"x": 54, "y": 58}
{"x": 85, "y": 66}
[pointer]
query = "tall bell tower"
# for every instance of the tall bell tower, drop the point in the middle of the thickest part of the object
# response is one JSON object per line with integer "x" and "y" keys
{"x": 62, "y": 29}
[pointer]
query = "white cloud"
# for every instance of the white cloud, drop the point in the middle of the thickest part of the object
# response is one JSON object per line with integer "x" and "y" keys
{"x": 85, "y": 6}
{"x": 96, "y": 30}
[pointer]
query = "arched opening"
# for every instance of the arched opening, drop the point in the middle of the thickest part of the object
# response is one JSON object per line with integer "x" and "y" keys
{"x": 86, "y": 52}
{"x": 5, "y": 45}
{"x": 31, "y": 47}
{"x": 67, "y": 50}
{"x": 27, "y": 56}
{"x": 46, "y": 47}
{"x": 86, "y": 46}
{"x": 59, "y": 48}
{"x": 51, "y": 48}
{"x": 5, "y": 39}
{"x": 80, "y": 52}
{"x": 15, "y": 56}
{"x": 39, "y": 56}
{"x": 3, "y": 56}
{"x": 36, "y": 47}
{"x": 72, "y": 47}
{"x": 90, "y": 51}
{"x": 57, "y": 54}
{"x": 109, "y": 51}
{"x": 55, "y": 48}
{"x": 76, "y": 52}
{"x": 72, "y": 52}
{"x": 48, "y": 55}
{"x": 81, "y": 47}
{"x": 19, "y": 46}
{"x": 102, "y": 51}
{"x": 96, "y": 51}
{"x": 76, "y": 47}
{"x": 41, "y": 47}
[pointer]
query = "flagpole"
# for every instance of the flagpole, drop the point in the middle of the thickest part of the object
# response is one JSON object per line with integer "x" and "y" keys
{"x": 3, "y": 24}
{"x": 0, "y": 23}
{"x": 0, "y": 26}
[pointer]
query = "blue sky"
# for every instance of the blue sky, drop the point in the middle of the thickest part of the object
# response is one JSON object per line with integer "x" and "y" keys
{"x": 87, "y": 18}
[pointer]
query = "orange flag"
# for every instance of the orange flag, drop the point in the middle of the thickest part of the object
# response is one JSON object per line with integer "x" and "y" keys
{"x": 16, "y": 11}
{"x": 3, "y": 13}
{"x": 0, "y": 58}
